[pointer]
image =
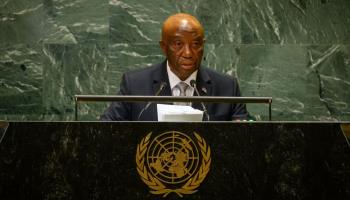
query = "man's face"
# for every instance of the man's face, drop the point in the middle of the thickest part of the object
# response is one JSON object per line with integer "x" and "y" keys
{"x": 183, "y": 48}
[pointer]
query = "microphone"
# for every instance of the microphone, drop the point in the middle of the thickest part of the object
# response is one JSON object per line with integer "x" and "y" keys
{"x": 204, "y": 90}
{"x": 161, "y": 88}
{"x": 194, "y": 85}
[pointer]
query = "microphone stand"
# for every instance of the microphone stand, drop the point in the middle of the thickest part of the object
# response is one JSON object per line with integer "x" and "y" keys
{"x": 194, "y": 85}
{"x": 161, "y": 88}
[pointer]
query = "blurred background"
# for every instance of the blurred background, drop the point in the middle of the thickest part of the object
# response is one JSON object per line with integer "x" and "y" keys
{"x": 296, "y": 51}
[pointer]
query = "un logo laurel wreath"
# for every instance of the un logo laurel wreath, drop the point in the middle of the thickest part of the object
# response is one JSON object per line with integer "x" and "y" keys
{"x": 156, "y": 185}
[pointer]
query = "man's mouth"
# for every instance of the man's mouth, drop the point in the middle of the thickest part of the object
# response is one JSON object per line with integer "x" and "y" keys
{"x": 187, "y": 64}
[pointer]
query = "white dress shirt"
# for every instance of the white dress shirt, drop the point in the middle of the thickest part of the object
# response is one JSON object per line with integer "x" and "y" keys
{"x": 174, "y": 80}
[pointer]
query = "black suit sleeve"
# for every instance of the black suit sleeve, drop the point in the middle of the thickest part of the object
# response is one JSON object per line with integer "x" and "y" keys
{"x": 119, "y": 111}
{"x": 239, "y": 110}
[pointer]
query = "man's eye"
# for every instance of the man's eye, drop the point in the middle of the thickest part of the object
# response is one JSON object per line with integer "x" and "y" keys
{"x": 178, "y": 43}
{"x": 196, "y": 44}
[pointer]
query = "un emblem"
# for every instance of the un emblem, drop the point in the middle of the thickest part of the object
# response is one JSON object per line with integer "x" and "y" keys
{"x": 173, "y": 162}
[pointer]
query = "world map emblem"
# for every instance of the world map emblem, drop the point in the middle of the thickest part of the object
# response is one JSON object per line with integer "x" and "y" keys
{"x": 173, "y": 162}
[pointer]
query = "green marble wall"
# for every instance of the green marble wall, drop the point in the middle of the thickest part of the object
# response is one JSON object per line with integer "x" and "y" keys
{"x": 297, "y": 51}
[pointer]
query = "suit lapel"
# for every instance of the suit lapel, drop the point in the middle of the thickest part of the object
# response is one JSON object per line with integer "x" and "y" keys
{"x": 204, "y": 86}
{"x": 159, "y": 76}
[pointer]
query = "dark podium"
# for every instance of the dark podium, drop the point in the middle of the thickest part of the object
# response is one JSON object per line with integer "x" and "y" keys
{"x": 101, "y": 160}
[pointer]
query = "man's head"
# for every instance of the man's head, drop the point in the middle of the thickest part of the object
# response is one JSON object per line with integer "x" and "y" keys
{"x": 183, "y": 44}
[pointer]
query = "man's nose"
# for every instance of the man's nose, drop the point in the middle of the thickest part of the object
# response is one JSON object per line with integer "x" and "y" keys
{"x": 187, "y": 51}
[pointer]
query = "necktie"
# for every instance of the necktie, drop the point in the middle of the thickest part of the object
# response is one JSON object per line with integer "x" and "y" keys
{"x": 182, "y": 86}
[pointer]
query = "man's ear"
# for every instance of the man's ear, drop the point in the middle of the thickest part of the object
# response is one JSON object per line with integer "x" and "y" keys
{"x": 163, "y": 46}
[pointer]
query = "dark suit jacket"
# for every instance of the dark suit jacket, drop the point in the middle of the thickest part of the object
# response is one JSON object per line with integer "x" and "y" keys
{"x": 147, "y": 82}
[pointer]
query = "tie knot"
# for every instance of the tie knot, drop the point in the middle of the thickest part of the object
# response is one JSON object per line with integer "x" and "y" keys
{"x": 182, "y": 87}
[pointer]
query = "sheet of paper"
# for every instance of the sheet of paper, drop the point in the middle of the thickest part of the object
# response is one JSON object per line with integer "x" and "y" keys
{"x": 176, "y": 113}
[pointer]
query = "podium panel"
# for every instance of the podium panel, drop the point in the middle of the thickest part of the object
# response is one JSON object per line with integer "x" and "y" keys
{"x": 149, "y": 160}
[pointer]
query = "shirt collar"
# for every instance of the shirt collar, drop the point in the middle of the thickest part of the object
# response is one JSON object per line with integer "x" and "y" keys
{"x": 174, "y": 80}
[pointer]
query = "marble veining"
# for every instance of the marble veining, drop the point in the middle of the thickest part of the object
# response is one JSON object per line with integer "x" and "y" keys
{"x": 294, "y": 51}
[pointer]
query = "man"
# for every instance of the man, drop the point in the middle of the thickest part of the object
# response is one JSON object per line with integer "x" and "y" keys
{"x": 182, "y": 43}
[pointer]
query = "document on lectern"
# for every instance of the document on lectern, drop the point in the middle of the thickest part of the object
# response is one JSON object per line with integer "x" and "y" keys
{"x": 176, "y": 113}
